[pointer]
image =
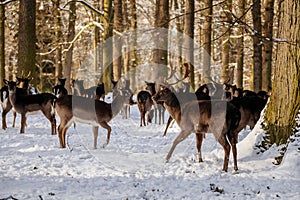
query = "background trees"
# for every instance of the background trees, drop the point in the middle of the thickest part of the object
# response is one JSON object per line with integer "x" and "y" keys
{"x": 55, "y": 38}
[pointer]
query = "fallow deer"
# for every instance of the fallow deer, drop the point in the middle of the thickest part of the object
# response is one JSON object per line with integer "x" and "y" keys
{"x": 95, "y": 92}
{"x": 22, "y": 89}
{"x": 219, "y": 116}
{"x": 72, "y": 108}
{"x": 26, "y": 104}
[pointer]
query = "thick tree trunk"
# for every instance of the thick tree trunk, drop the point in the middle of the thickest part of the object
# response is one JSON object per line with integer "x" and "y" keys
{"x": 207, "y": 31}
{"x": 2, "y": 44}
{"x": 257, "y": 47}
{"x": 160, "y": 54}
{"x": 27, "y": 38}
{"x": 240, "y": 47}
{"x": 268, "y": 45}
{"x": 69, "y": 55}
{"x": 188, "y": 45}
{"x": 285, "y": 99}
{"x": 117, "y": 40}
{"x": 107, "y": 44}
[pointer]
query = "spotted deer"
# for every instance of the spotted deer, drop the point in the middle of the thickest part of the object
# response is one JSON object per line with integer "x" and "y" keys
{"x": 72, "y": 108}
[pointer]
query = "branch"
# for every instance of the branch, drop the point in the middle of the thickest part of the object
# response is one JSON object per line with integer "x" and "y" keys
{"x": 6, "y": 2}
{"x": 199, "y": 10}
{"x": 75, "y": 38}
{"x": 87, "y": 5}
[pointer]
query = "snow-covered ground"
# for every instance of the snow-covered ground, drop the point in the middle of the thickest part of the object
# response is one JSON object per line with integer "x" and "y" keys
{"x": 132, "y": 166}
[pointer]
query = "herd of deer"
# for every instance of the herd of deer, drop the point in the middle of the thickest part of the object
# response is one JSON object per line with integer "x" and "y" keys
{"x": 221, "y": 109}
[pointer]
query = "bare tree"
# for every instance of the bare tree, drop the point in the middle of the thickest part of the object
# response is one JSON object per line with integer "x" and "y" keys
{"x": 133, "y": 43}
{"x": 27, "y": 37}
{"x": 207, "y": 38}
{"x": 189, "y": 39}
{"x": 160, "y": 54}
{"x": 268, "y": 44}
{"x": 69, "y": 54}
{"x": 240, "y": 46}
{"x": 226, "y": 54}
{"x": 117, "y": 40}
{"x": 257, "y": 47}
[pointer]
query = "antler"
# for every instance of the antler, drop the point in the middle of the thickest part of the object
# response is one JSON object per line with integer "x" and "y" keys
{"x": 29, "y": 73}
{"x": 186, "y": 74}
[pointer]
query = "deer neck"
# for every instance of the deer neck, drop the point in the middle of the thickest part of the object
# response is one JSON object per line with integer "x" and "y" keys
{"x": 117, "y": 104}
{"x": 12, "y": 96}
{"x": 173, "y": 106}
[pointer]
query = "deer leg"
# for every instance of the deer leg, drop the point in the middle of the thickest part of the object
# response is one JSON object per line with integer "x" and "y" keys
{"x": 108, "y": 128}
{"x": 51, "y": 117}
{"x": 233, "y": 142}
{"x": 199, "y": 139}
{"x": 224, "y": 143}
{"x": 95, "y": 131}
{"x": 168, "y": 124}
{"x": 23, "y": 123}
{"x": 182, "y": 136}
{"x": 4, "y": 112}
{"x": 14, "y": 119}
{"x": 62, "y": 129}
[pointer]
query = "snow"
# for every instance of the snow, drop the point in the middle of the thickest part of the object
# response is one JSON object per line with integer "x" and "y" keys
{"x": 132, "y": 166}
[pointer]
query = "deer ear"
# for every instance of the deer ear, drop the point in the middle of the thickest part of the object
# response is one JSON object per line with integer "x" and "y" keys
{"x": 5, "y": 81}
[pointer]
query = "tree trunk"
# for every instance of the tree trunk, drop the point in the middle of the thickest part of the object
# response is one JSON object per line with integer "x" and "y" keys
{"x": 2, "y": 44}
{"x": 207, "y": 39}
{"x": 179, "y": 28}
{"x": 117, "y": 40}
{"x": 69, "y": 55}
{"x": 285, "y": 99}
{"x": 58, "y": 39}
{"x": 133, "y": 44}
{"x": 268, "y": 45}
{"x": 27, "y": 38}
{"x": 107, "y": 44}
{"x": 240, "y": 47}
{"x": 189, "y": 39}
{"x": 257, "y": 47}
{"x": 160, "y": 54}
{"x": 226, "y": 41}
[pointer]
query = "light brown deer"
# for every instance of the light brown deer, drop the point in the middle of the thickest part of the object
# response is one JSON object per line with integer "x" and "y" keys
{"x": 26, "y": 104}
{"x": 72, "y": 108}
{"x": 220, "y": 117}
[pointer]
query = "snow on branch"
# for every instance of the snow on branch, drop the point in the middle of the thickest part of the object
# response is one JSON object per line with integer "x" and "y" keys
{"x": 87, "y": 5}
{"x": 6, "y": 2}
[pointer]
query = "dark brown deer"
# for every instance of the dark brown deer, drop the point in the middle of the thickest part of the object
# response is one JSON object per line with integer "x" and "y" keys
{"x": 95, "y": 92}
{"x": 72, "y": 108}
{"x": 219, "y": 116}
{"x": 158, "y": 108}
{"x": 22, "y": 89}
{"x": 145, "y": 103}
{"x": 26, "y": 104}
{"x": 60, "y": 90}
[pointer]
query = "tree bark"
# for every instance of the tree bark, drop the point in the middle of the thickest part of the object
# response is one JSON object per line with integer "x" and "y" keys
{"x": 58, "y": 39}
{"x": 160, "y": 54}
{"x": 226, "y": 41}
{"x": 285, "y": 99}
{"x": 107, "y": 44}
{"x": 2, "y": 44}
{"x": 188, "y": 54}
{"x": 268, "y": 45}
{"x": 207, "y": 39}
{"x": 27, "y": 38}
{"x": 257, "y": 47}
{"x": 240, "y": 47}
{"x": 69, "y": 55}
{"x": 117, "y": 40}
{"x": 133, "y": 44}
